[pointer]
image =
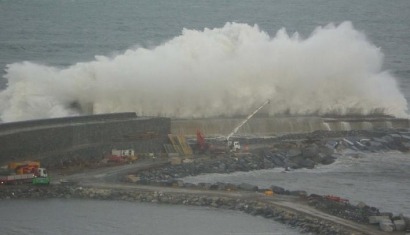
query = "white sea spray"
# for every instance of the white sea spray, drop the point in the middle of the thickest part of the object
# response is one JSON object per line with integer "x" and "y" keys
{"x": 215, "y": 72}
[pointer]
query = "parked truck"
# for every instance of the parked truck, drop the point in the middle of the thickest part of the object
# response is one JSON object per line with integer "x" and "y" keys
{"x": 217, "y": 147}
{"x": 228, "y": 144}
{"x": 24, "y": 172}
{"x": 123, "y": 156}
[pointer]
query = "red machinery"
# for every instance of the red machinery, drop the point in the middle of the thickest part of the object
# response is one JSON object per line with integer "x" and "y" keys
{"x": 24, "y": 167}
{"x": 202, "y": 146}
{"x": 336, "y": 199}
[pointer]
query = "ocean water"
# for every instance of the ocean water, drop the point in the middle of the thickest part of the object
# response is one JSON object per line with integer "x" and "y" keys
{"x": 185, "y": 59}
{"x": 42, "y": 217}
{"x": 200, "y": 59}
{"x": 381, "y": 180}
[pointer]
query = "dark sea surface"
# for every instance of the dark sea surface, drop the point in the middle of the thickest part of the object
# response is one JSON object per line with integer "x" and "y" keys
{"x": 65, "y": 32}
{"x": 62, "y": 33}
{"x": 381, "y": 180}
{"x": 73, "y": 217}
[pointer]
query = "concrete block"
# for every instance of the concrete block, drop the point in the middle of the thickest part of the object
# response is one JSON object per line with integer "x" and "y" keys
{"x": 389, "y": 214}
{"x": 388, "y": 139}
{"x": 406, "y": 137}
{"x": 187, "y": 160}
{"x": 380, "y": 140}
{"x": 349, "y": 142}
{"x": 175, "y": 160}
{"x": 395, "y": 136}
{"x": 332, "y": 144}
{"x": 377, "y": 218}
{"x": 407, "y": 221}
{"x": 375, "y": 144}
{"x": 386, "y": 225}
{"x": 400, "y": 225}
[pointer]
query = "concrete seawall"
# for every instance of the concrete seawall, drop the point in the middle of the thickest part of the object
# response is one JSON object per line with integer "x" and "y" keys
{"x": 267, "y": 126}
{"x": 94, "y": 136}
{"x": 81, "y": 136}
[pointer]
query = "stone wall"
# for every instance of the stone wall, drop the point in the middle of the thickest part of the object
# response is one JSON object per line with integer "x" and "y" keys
{"x": 283, "y": 125}
{"x": 87, "y": 136}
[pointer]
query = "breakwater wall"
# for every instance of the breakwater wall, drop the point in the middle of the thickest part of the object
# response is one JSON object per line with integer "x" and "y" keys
{"x": 83, "y": 137}
{"x": 297, "y": 220}
{"x": 269, "y": 126}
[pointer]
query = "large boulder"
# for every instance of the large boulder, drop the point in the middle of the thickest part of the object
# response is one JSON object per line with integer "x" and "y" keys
{"x": 293, "y": 153}
{"x": 299, "y": 193}
{"x": 307, "y": 163}
{"x": 277, "y": 189}
{"x": 327, "y": 159}
{"x": 248, "y": 187}
{"x": 311, "y": 151}
{"x": 277, "y": 160}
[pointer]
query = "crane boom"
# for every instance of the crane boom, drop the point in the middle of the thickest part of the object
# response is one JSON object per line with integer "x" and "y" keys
{"x": 244, "y": 121}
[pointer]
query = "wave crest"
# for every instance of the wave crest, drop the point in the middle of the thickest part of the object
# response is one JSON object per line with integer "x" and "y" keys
{"x": 215, "y": 72}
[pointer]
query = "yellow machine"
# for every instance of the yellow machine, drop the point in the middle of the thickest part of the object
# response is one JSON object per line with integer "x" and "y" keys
{"x": 24, "y": 167}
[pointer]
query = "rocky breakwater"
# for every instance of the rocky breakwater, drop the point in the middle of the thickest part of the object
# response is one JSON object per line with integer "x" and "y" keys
{"x": 304, "y": 223}
{"x": 360, "y": 213}
{"x": 332, "y": 205}
{"x": 291, "y": 152}
{"x": 287, "y": 152}
{"x": 289, "y": 156}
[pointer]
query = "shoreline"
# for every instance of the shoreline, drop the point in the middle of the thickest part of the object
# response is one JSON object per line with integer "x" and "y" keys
{"x": 274, "y": 208}
{"x": 159, "y": 181}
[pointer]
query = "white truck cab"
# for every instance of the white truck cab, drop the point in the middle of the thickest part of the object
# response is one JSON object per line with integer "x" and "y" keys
{"x": 41, "y": 172}
{"x": 234, "y": 146}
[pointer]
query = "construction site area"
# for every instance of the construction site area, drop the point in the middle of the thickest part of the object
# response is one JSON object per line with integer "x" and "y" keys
{"x": 122, "y": 151}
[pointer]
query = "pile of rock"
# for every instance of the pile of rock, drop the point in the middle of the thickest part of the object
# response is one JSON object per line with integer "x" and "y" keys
{"x": 300, "y": 221}
{"x": 300, "y": 156}
{"x": 290, "y": 152}
{"x": 343, "y": 209}
{"x": 388, "y": 223}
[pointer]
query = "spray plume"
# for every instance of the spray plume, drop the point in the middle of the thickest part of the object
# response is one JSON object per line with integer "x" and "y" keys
{"x": 215, "y": 72}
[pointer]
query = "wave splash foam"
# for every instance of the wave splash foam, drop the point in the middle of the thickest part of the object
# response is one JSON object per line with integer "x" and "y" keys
{"x": 215, "y": 72}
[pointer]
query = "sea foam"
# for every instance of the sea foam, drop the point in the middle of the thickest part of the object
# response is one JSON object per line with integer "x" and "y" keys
{"x": 215, "y": 72}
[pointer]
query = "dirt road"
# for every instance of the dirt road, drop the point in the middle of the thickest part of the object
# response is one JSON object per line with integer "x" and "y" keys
{"x": 108, "y": 178}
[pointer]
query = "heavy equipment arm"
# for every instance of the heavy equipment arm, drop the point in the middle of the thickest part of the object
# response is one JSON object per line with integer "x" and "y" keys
{"x": 244, "y": 121}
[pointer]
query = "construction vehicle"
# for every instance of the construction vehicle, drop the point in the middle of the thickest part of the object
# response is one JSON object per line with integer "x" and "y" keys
{"x": 122, "y": 156}
{"x": 201, "y": 145}
{"x": 230, "y": 146}
{"x": 216, "y": 146}
{"x": 24, "y": 172}
{"x": 336, "y": 199}
{"x": 24, "y": 167}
